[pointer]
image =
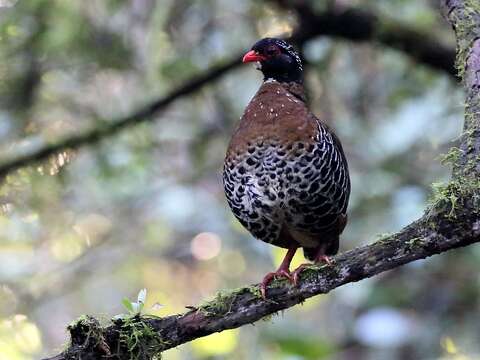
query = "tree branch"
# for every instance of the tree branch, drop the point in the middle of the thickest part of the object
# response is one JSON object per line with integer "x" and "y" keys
{"x": 359, "y": 25}
{"x": 452, "y": 221}
{"x": 441, "y": 229}
{"x": 351, "y": 24}
{"x": 144, "y": 114}
{"x": 464, "y": 16}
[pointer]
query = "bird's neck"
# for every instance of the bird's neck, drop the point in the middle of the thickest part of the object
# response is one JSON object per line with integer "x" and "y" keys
{"x": 293, "y": 87}
{"x": 292, "y": 75}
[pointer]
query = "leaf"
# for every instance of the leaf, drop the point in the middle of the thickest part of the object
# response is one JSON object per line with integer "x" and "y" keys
{"x": 142, "y": 296}
{"x": 127, "y": 304}
{"x": 137, "y": 307}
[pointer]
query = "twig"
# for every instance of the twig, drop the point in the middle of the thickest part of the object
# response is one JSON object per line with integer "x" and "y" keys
{"x": 111, "y": 128}
{"x": 359, "y": 25}
{"x": 350, "y": 24}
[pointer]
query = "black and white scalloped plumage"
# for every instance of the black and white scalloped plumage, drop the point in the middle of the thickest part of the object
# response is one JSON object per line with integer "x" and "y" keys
{"x": 285, "y": 175}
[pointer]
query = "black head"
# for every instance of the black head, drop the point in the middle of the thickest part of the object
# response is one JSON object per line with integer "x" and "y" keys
{"x": 278, "y": 60}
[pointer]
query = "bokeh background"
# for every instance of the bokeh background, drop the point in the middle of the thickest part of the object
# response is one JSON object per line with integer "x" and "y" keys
{"x": 145, "y": 208}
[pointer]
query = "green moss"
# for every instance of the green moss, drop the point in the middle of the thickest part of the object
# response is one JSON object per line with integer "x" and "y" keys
{"x": 464, "y": 28}
{"x": 279, "y": 282}
{"x": 86, "y": 330}
{"x": 136, "y": 337}
{"x": 383, "y": 237}
{"x": 222, "y": 302}
{"x": 140, "y": 339}
{"x": 452, "y": 156}
{"x": 472, "y": 165}
{"x": 219, "y": 305}
{"x": 450, "y": 196}
{"x": 311, "y": 271}
{"x": 83, "y": 319}
{"x": 255, "y": 291}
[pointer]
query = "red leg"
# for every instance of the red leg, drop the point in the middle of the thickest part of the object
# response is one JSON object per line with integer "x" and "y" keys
{"x": 319, "y": 258}
{"x": 282, "y": 271}
{"x": 323, "y": 258}
{"x": 296, "y": 273}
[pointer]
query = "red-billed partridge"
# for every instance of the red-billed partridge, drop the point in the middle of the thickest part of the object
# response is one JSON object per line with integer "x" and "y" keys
{"x": 285, "y": 174}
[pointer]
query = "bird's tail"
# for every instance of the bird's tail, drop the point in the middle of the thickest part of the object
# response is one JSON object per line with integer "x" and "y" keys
{"x": 330, "y": 240}
{"x": 330, "y": 249}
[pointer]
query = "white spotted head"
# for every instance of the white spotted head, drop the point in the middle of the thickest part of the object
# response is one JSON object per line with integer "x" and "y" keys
{"x": 278, "y": 60}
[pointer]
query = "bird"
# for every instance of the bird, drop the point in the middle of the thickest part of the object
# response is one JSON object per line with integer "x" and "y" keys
{"x": 285, "y": 173}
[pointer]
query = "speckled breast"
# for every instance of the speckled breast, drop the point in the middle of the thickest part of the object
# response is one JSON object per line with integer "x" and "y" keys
{"x": 299, "y": 181}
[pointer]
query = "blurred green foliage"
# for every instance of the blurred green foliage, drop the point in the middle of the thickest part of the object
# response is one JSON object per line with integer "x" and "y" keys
{"x": 145, "y": 209}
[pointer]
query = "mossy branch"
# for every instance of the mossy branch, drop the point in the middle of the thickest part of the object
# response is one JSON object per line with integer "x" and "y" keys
{"x": 464, "y": 16}
{"x": 143, "y": 337}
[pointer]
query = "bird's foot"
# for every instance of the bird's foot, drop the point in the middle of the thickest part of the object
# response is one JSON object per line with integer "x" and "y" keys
{"x": 323, "y": 258}
{"x": 319, "y": 259}
{"x": 296, "y": 273}
{"x": 270, "y": 277}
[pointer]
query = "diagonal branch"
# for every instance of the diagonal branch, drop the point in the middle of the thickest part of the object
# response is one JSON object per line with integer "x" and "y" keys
{"x": 351, "y": 24}
{"x": 144, "y": 114}
{"x": 437, "y": 231}
{"x": 452, "y": 221}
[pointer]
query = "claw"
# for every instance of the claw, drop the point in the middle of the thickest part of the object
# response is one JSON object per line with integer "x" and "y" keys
{"x": 325, "y": 259}
{"x": 296, "y": 273}
{"x": 272, "y": 275}
{"x": 282, "y": 271}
